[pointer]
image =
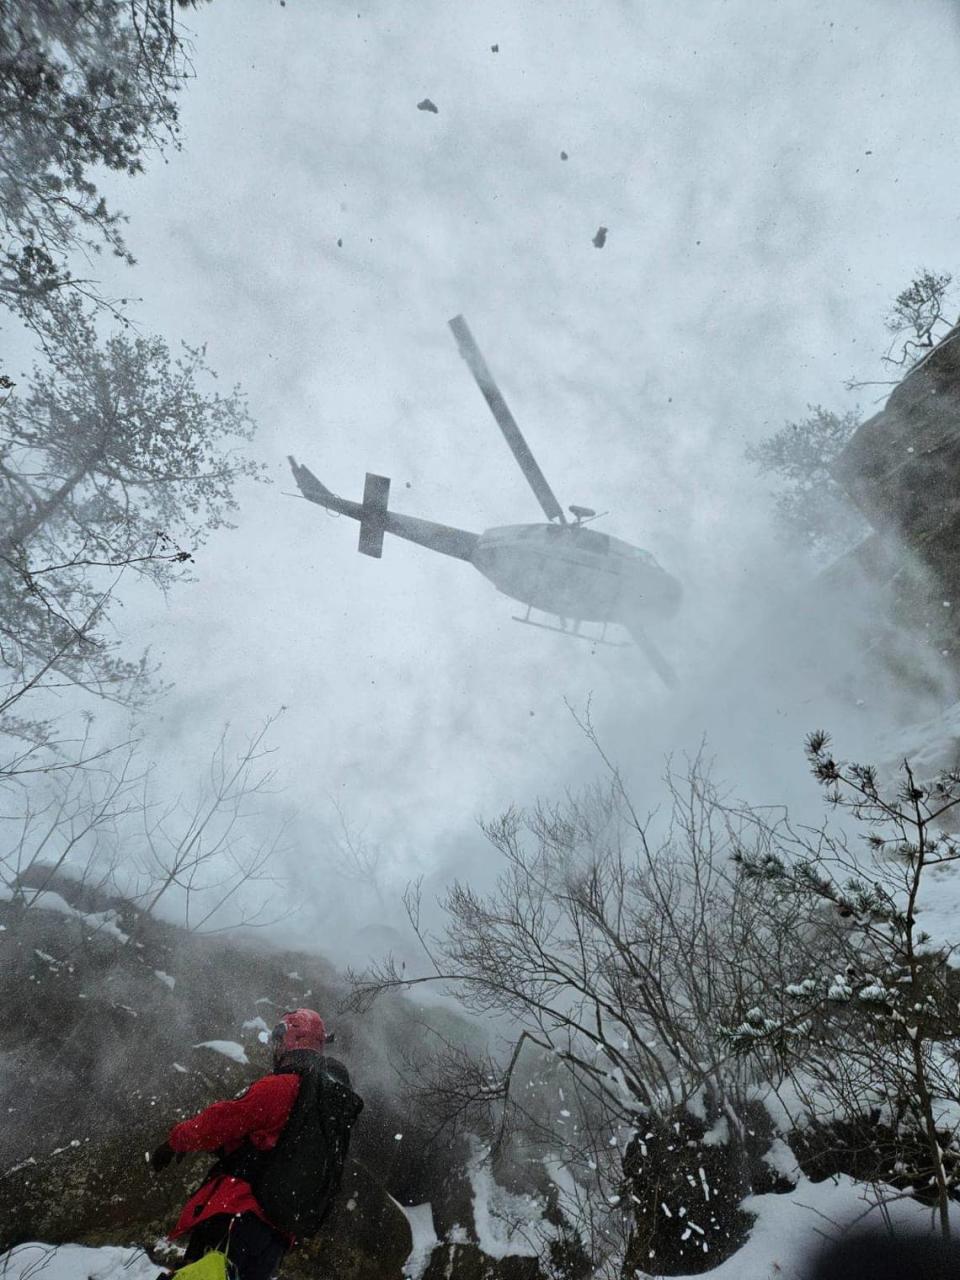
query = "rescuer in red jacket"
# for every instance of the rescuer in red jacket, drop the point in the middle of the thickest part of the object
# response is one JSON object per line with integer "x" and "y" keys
{"x": 224, "y": 1213}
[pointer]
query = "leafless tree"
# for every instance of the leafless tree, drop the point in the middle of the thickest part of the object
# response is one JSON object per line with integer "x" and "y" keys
{"x": 104, "y": 826}
{"x": 205, "y": 852}
{"x": 610, "y": 961}
{"x": 642, "y": 981}
{"x": 352, "y": 856}
{"x": 67, "y": 821}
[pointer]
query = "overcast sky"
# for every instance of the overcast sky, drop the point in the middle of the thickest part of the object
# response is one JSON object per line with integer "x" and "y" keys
{"x": 770, "y": 175}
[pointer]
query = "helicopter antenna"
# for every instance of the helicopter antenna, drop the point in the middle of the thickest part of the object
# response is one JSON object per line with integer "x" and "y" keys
{"x": 586, "y": 515}
{"x": 505, "y": 420}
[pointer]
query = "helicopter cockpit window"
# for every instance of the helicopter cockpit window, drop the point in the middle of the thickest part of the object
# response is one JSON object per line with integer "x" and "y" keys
{"x": 591, "y": 540}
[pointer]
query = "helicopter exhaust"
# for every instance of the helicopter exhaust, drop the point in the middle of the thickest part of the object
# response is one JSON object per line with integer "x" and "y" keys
{"x": 373, "y": 515}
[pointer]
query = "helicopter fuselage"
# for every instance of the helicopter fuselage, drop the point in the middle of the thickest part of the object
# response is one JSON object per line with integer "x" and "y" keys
{"x": 575, "y": 572}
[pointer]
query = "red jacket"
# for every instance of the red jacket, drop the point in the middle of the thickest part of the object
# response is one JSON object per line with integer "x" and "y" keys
{"x": 259, "y": 1114}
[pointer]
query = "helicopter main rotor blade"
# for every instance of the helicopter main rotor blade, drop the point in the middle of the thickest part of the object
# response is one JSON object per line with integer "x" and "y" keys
{"x": 505, "y": 420}
{"x": 653, "y": 655}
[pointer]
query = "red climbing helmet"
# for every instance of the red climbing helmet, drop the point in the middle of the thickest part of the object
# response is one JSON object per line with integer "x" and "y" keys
{"x": 300, "y": 1029}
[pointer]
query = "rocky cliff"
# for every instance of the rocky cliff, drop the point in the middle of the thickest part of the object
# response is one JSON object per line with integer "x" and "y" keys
{"x": 902, "y": 469}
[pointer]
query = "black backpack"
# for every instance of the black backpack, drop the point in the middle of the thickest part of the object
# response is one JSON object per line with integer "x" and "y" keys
{"x": 296, "y": 1181}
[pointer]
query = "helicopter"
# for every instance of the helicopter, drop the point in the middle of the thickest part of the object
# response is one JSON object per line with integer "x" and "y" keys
{"x": 563, "y": 568}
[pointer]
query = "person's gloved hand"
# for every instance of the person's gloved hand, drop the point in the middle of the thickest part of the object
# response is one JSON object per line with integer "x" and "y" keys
{"x": 160, "y": 1158}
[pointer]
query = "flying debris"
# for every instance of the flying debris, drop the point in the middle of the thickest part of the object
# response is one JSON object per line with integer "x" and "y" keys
{"x": 427, "y": 105}
{"x": 562, "y": 568}
{"x": 600, "y": 239}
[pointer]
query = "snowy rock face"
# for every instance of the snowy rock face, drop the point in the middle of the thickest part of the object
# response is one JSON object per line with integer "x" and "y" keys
{"x": 902, "y": 469}
{"x": 901, "y": 466}
{"x": 686, "y": 1182}
{"x": 467, "y": 1262}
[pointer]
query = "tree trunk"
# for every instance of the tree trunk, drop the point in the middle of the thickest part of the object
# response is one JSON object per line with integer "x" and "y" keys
{"x": 29, "y": 525}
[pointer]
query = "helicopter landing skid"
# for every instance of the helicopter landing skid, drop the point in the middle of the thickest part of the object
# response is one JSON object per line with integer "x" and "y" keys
{"x": 575, "y": 633}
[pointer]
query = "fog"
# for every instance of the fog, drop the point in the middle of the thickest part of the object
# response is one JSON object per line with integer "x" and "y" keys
{"x": 770, "y": 177}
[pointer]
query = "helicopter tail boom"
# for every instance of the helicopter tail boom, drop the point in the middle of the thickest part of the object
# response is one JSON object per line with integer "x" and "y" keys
{"x": 314, "y": 491}
{"x": 376, "y": 520}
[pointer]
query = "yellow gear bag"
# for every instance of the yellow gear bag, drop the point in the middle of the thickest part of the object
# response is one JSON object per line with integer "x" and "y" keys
{"x": 212, "y": 1266}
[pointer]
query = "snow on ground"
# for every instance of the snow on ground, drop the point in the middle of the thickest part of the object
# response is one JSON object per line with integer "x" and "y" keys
{"x": 102, "y": 922}
{"x": 507, "y": 1224}
{"x": 75, "y": 1262}
{"x": 420, "y": 1217}
{"x": 788, "y": 1231}
{"x": 46, "y": 900}
{"x": 229, "y": 1048}
{"x": 791, "y": 1228}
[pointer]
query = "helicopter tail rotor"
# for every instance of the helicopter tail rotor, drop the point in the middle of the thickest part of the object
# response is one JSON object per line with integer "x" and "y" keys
{"x": 373, "y": 517}
{"x": 372, "y": 512}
